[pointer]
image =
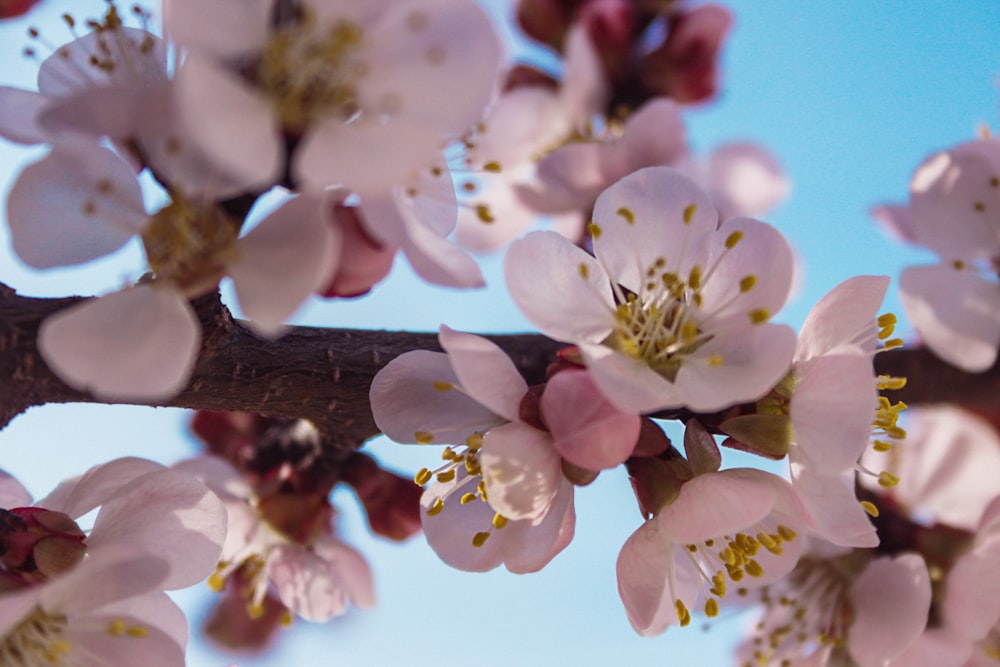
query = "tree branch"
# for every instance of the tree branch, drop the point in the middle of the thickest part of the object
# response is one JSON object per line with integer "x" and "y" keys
{"x": 323, "y": 374}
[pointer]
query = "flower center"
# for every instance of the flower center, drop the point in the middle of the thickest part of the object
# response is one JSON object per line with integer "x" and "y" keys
{"x": 38, "y": 639}
{"x": 310, "y": 71}
{"x": 190, "y": 245}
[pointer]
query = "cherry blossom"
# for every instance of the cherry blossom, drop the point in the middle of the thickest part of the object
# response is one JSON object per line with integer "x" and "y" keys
{"x": 954, "y": 305}
{"x": 314, "y": 575}
{"x": 673, "y": 311}
{"x": 141, "y": 342}
{"x": 841, "y": 608}
{"x": 737, "y": 526}
{"x": 502, "y": 495}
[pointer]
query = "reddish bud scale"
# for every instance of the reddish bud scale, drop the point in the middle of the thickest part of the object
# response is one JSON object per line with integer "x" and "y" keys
{"x": 391, "y": 502}
{"x": 10, "y": 9}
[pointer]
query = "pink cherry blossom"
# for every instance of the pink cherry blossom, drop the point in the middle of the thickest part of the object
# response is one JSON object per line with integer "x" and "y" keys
{"x": 314, "y": 577}
{"x": 141, "y": 342}
{"x": 737, "y": 526}
{"x": 842, "y": 609}
{"x": 954, "y": 199}
{"x": 673, "y": 310}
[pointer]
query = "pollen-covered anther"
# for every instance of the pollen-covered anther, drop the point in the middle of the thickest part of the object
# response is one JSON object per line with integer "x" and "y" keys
{"x": 689, "y": 212}
{"x": 682, "y": 613}
{"x": 870, "y": 508}
{"x": 443, "y": 386}
{"x": 484, "y": 214}
{"x": 627, "y": 214}
{"x": 759, "y": 315}
{"x": 887, "y": 479}
{"x": 436, "y": 507}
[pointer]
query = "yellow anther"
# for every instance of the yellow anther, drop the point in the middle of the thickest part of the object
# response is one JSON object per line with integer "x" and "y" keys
{"x": 887, "y": 479}
{"x": 891, "y": 382}
{"x": 595, "y": 230}
{"x": 467, "y": 498}
{"x": 727, "y": 556}
{"x": 689, "y": 331}
{"x": 117, "y": 627}
{"x": 870, "y": 508}
{"x": 584, "y": 271}
{"x": 760, "y": 315}
{"x": 286, "y": 618}
{"x": 886, "y": 331}
{"x": 694, "y": 278}
{"x": 474, "y": 441}
{"x": 481, "y": 489}
{"x": 479, "y": 539}
{"x": 493, "y": 167}
{"x": 689, "y": 212}
{"x": 893, "y": 343}
{"x": 682, "y": 613}
{"x": 747, "y": 283}
{"x": 255, "y": 611}
{"x": 137, "y": 631}
{"x": 958, "y": 264}
{"x": 881, "y": 446}
{"x": 886, "y": 319}
{"x": 711, "y": 608}
{"x": 446, "y": 476}
{"x": 979, "y": 206}
{"x": 484, "y": 214}
{"x": 423, "y": 437}
{"x": 422, "y": 477}
{"x": 626, "y": 213}
{"x": 733, "y": 239}
{"x": 787, "y": 534}
{"x": 753, "y": 568}
{"x": 718, "y": 584}
{"x": 499, "y": 521}
{"x": 693, "y": 548}
{"x": 216, "y": 582}
{"x": 766, "y": 540}
{"x": 435, "y": 507}
{"x": 714, "y": 360}
{"x": 443, "y": 386}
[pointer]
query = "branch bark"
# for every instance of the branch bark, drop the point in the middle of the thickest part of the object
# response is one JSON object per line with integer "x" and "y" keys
{"x": 323, "y": 374}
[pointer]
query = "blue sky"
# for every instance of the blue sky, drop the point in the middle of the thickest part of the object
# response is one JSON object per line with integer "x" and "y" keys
{"x": 850, "y": 96}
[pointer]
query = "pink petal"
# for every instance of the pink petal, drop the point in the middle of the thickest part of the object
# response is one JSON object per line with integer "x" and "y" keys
{"x": 19, "y": 122}
{"x": 170, "y": 514}
{"x": 956, "y": 312}
{"x": 655, "y": 199}
{"x": 438, "y": 71}
{"x": 306, "y": 584}
{"x": 745, "y": 179}
{"x": 832, "y": 409}
{"x": 629, "y": 383}
{"x": 99, "y": 207}
{"x": 844, "y": 316}
{"x": 12, "y": 494}
{"x": 890, "y": 600}
{"x": 78, "y": 496}
{"x": 90, "y": 637}
{"x": 229, "y": 121}
{"x": 485, "y": 372}
{"x": 405, "y": 401}
{"x": 70, "y": 68}
{"x": 522, "y": 471}
{"x": 647, "y": 578}
{"x": 894, "y": 219}
{"x": 936, "y": 647}
{"x": 654, "y": 135}
{"x": 221, "y": 28}
{"x": 353, "y": 568}
{"x": 154, "y": 609}
{"x": 137, "y": 344}
{"x": 117, "y": 575}
{"x": 833, "y": 507}
{"x": 282, "y": 261}
{"x": 972, "y": 597}
{"x": 717, "y": 504}
{"x": 560, "y": 288}
{"x": 588, "y": 431}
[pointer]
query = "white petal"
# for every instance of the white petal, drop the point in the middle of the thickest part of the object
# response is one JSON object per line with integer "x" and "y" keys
{"x": 432, "y": 62}
{"x": 138, "y": 344}
{"x": 560, "y": 288}
{"x": 956, "y": 312}
{"x": 99, "y": 207}
{"x": 628, "y": 383}
{"x": 414, "y": 394}
{"x": 12, "y": 494}
{"x": 844, "y": 316}
{"x": 229, "y": 121}
{"x": 76, "y": 497}
{"x": 522, "y": 471}
{"x": 485, "y": 372}
{"x": 642, "y": 220}
{"x": 287, "y": 257}
{"x": 19, "y": 121}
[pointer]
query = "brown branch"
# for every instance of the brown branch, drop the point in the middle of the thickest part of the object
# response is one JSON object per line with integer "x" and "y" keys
{"x": 323, "y": 374}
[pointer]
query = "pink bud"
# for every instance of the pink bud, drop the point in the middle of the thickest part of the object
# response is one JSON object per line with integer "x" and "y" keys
{"x": 392, "y": 502}
{"x": 611, "y": 26}
{"x": 546, "y": 21}
{"x": 685, "y": 66}
{"x": 37, "y": 543}
{"x": 363, "y": 261}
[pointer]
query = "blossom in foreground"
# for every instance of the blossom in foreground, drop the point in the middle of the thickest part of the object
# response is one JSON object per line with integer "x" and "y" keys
{"x": 725, "y": 529}
{"x": 502, "y": 496}
{"x": 141, "y": 342}
{"x": 841, "y": 608}
{"x": 73, "y": 597}
{"x": 954, "y": 210}
{"x": 673, "y": 310}
{"x": 314, "y": 574}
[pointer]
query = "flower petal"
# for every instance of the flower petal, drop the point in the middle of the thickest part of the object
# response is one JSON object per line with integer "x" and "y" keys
{"x": 19, "y": 122}
{"x": 629, "y": 383}
{"x": 972, "y": 597}
{"x": 485, "y": 372}
{"x": 76, "y": 497}
{"x": 956, "y": 312}
{"x": 221, "y": 28}
{"x": 890, "y": 600}
{"x": 522, "y": 471}
{"x": 137, "y": 344}
{"x": 12, "y": 494}
{"x": 844, "y": 316}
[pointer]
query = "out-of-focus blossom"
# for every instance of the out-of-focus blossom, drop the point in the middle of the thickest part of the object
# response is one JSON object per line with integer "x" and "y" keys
{"x": 685, "y": 66}
{"x": 313, "y": 573}
{"x": 954, "y": 210}
{"x": 674, "y": 309}
{"x": 141, "y": 342}
{"x": 841, "y": 608}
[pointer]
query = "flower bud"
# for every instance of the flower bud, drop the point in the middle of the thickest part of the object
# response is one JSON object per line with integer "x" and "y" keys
{"x": 685, "y": 65}
{"x": 391, "y": 502}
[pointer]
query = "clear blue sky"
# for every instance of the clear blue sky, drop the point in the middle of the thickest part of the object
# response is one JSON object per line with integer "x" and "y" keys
{"x": 850, "y": 96}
